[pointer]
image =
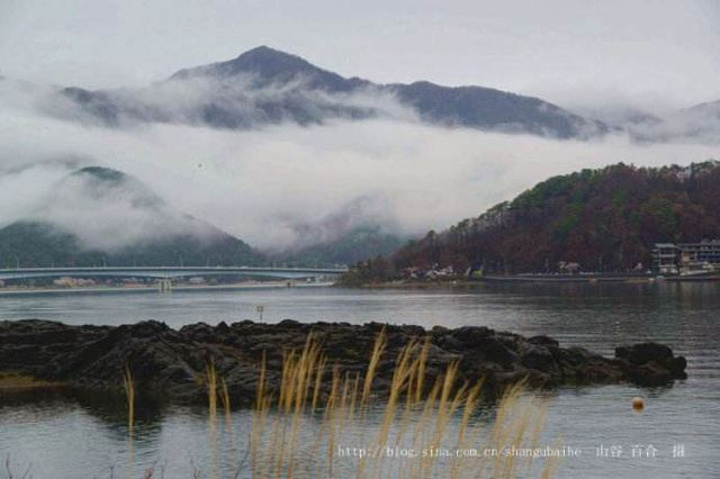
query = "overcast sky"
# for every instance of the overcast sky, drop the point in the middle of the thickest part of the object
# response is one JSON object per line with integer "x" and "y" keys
{"x": 567, "y": 51}
{"x": 263, "y": 185}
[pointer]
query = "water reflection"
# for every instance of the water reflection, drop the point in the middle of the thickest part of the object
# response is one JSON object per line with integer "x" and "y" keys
{"x": 67, "y": 434}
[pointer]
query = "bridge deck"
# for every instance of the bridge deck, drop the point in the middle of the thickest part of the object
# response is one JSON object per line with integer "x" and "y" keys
{"x": 167, "y": 272}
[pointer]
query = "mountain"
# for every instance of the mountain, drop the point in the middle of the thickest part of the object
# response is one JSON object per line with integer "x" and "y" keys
{"x": 697, "y": 124}
{"x": 267, "y": 67}
{"x": 700, "y": 121}
{"x": 620, "y": 115}
{"x": 605, "y": 220}
{"x": 357, "y": 244}
{"x": 266, "y": 86}
{"x": 708, "y": 110}
{"x": 495, "y": 110}
{"x": 99, "y": 216}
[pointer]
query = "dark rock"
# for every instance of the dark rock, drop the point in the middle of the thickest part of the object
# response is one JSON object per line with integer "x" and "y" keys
{"x": 438, "y": 330}
{"x": 643, "y": 353}
{"x": 651, "y": 364}
{"x": 544, "y": 341}
{"x": 290, "y": 324}
{"x": 539, "y": 358}
{"x": 172, "y": 363}
{"x": 472, "y": 334}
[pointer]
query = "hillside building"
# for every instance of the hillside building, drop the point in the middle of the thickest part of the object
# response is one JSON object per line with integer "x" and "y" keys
{"x": 687, "y": 258}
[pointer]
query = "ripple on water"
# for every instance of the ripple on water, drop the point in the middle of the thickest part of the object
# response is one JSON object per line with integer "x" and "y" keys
{"x": 66, "y": 437}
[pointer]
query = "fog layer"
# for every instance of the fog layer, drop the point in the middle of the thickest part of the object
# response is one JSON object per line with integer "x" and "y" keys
{"x": 266, "y": 186}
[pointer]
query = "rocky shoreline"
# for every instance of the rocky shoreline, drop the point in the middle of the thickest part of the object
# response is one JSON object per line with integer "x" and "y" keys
{"x": 171, "y": 364}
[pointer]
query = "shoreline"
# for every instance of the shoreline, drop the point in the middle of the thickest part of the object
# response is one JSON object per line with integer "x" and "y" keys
{"x": 539, "y": 279}
{"x": 154, "y": 289}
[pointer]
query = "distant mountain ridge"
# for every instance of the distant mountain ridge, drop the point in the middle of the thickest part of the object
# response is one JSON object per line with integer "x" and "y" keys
{"x": 353, "y": 245}
{"x": 698, "y": 123}
{"x": 163, "y": 237}
{"x": 267, "y": 86}
{"x": 135, "y": 226}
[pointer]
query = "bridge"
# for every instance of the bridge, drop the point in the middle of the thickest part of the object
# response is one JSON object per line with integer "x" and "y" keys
{"x": 168, "y": 273}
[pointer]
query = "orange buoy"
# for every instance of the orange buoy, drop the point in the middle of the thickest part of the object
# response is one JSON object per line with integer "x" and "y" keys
{"x": 638, "y": 404}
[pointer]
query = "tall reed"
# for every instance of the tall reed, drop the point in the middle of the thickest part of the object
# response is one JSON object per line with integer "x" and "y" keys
{"x": 129, "y": 387}
{"x": 211, "y": 379}
{"x": 415, "y": 416}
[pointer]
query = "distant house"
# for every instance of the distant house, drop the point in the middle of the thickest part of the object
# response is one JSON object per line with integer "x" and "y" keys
{"x": 665, "y": 258}
{"x": 570, "y": 267}
{"x": 686, "y": 258}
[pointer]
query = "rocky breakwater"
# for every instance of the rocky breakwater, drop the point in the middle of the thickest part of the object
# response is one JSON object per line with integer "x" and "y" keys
{"x": 171, "y": 363}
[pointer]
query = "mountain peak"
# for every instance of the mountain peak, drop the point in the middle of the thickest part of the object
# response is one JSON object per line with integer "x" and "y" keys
{"x": 101, "y": 173}
{"x": 261, "y": 61}
{"x": 269, "y": 62}
{"x": 270, "y": 66}
{"x": 100, "y": 182}
{"x": 102, "y": 179}
{"x": 266, "y": 52}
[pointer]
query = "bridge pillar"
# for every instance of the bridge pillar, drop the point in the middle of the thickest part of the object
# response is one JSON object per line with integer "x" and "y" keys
{"x": 165, "y": 285}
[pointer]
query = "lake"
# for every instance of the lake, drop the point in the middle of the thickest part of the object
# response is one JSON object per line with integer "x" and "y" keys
{"x": 68, "y": 435}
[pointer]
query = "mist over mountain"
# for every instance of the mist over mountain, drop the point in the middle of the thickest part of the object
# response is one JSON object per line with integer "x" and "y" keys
{"x": 699, "y": 123}
{"x": 621, "y": 116}
{"x": 229, "y": 143}
{"x": 97, "y": 216}
{"x": 644, "y": 122}
{"x": 355, "y": 231}
{"x": 266, "y": 86}
{"x": 348, "y": 247}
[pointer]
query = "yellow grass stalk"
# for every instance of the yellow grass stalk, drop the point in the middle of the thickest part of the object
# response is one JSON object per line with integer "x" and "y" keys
{"x": 354, "y": 400}
{"x": 211, "y": 384}
{"x": 446, "y": 408}
{"x": 378, "y": 349}
{"x": 225, "y": 398}
{"x": 212, "y": 392}
{"x": 300, "y": 396}
{"x": 129, "y": 386}
{"x": 331, "y": 416}
{"x": 403, "y": 370}
{"x": 303, "y": 378}
{"x": 422, "y": 361}
{"x": 320, "y": 370}
{"x": 262, "y": 402}
{"x": 471, "y": 401}
{"x": 552, "y": 464}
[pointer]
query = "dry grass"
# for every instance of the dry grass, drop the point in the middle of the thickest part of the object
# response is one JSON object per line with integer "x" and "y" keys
{"x": 299, "y": 432}
{"x": 211, "y": 380}
{"x": 129, "y": 386}
{"x": 19, "y": 382}
{"x": 414, "y": 416}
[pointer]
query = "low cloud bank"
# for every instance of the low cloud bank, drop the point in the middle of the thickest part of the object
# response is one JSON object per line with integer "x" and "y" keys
{"x": 286, "y": 185}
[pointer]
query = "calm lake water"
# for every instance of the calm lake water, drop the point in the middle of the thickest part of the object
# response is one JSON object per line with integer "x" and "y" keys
{"x": 71, "y": 436}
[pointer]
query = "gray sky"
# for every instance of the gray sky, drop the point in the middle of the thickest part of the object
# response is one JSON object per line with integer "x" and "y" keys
{"x": 568, "y": 51}
{"x": 263, "y": 184}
